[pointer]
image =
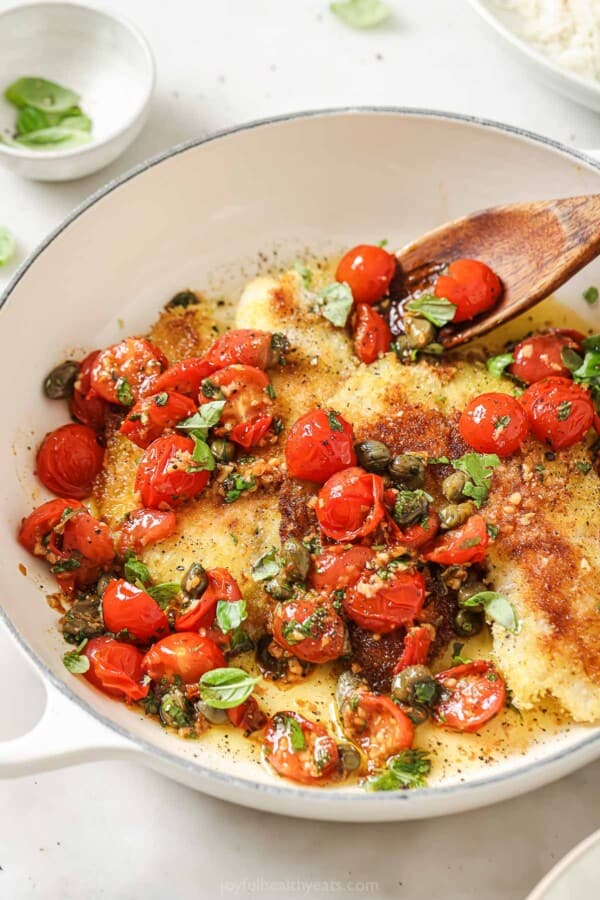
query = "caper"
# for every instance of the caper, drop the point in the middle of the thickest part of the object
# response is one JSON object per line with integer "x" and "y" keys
{"x": 469, "y": 589}
{"x": 83, "y": 620}
{"x": 297, "y": 559}
{"x": 183, "y": 298}
{"x": 350, "y": 757}
{"x": 174, "y": 709}
{"x": 410, "y": 507}
{"x": 194, "y": 582}
{"x": 279, "y": 347}
{"x": 468, "y": 622}
{"x": 408, "y": 470}
{"x": 373, "y": 456}
{"x": 279, "y": 587}
{"x": 452, "y": 486}
{"x": 349, "y": 684}
{"x": 455, "y": 514}
{"x": 415, "y": 685}
{"x": 103, "y": 582}
{"x": 222, "y": 450}
{"x": 212, "y": 715}
{"x": 58, "y": 384}
{"x": 403, "y": 347}
{"x": 419, "y": 331}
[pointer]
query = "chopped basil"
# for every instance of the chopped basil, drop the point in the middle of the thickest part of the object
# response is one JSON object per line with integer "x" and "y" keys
{"x": 135, "y": 570}
{"x": 383, "y": 243}
{"x": 270, "y": 391}
{"x": 589, "y": 368}
{"x": 457, "y": 659}
{"x": 267, "y": 566}
{"x": 470, "y": 542}
{"x": 564, "y": 410}
{"x": 496, "y": 607}
{"x": 161, "y": 399}
{"x": 335, "y": 302}
{"x": 7, "y": 245}
{"x": 211, "y": 390}
{"x": 590, "y": 295}
{"x": 497, "y": 364}
{"x": 501, "y": 422}
{"x": 75, "y": 661}
{"x": 65, "y": 565}
{"x": 226, "y": 687}
{"x": 235, "y": 485}
{"x": 407, "y": 769}
{"x": 492, "y": 530}
{"x": 436, "y": 310}
{"x": 295, "y": 632}
{"x": 164, "y": 593}
{"x": 231, "y": 614}
{"x": 584, "y": 467}
{"x": 124, "y": 393}
{"x": 41, "y": 94}
{"x": 293, "y": 729}
{"x": 479, "y": 467}
{"x": 277, "y": 425}
{"x": 208, "y": 415}
{"x": 202, "y": 457}
{"x": 361, "y": 13}
{"x": 305, "y": 273}
{"x": 334, "y": 422}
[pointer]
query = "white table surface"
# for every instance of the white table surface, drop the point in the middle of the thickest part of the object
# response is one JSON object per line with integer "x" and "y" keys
{"x": 112, "y": 830}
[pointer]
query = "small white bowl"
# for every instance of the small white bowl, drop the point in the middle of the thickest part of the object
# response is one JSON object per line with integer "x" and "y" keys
{"x": 101, "y": 56}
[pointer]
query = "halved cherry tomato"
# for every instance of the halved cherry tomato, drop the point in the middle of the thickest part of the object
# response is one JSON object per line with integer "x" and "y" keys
{"x": 127, "y": 608}
{"x": 540, "y": 355}
{"x": 476, "y": 693}
{"x": 86, "y": 405}
{"x": 466, "y": 544}
{"x": 416, "y": 647}
{"x": 121, "y": 369}
{"x": 184, "y": 377}
{"x": 201, "y": 614}
{"x": 302, "y": 751}
{"x": 36, "y": 527}
{"x": 368, "y": 270}
{"x": 413, "y": 536}
{"x": 151, "y": 415}
{"x": 115, "y": 668}
{"x": 185, "y": 654}
{"x": 68, "y": 461}
{"x": 560, "y": 412}
{"x": 165, "y": 475}
{"x": 340, "y": 567}
{"x": 319, "y": 444}
{"x": 350, "y": 504}
{"x": 381, "y": 605}
{"x": 471, "y": 285}
{"x": 309, "y": 630}
{"x": 246, "y": 346}
{"x": 248, "y": 716}
{"x": 372, "y": 335}
{"x": 494, "y": 423}
{"x": 377, "y": 725}
{"x": 79, "y": 547}
{"x": 244, "y": 389}
{"x": 146, "y": 526}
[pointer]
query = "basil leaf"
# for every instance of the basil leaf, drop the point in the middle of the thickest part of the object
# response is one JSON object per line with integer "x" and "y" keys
{"x": 31, "y": 119}
{"x": 55, "y": 134}
{"x": 436, "y": 310}
{"x": 124, "y": 393}
{"x": 497, "y": 364}
{"x": 361, "y": 13}
{"x": 407, "y": 769}
{"x": 267, "y": 566}
{"x": 75, "y": 661}
{"x": 230, "y": 614}
{"x": 589, "y": 368}
{"x": 335, "y": 303}
{"x": 570, "y": 359}
{"x": 226, "y": 688}
{"x": 591, "y": 295}
{"x": 135, "y": 570}
{"x": 7, "y": 245}
{"x": 235, "y": 485}
{"x": 479, "y": 467}
{"x": 163, "y": 593}
{"x": 65, "y": 565}
{"x": 305, "y": 273}
{"x": 457, "y": 659}
{"x": 293, "y": 729}
{"x": 41, "y": 94}
{"x": 496, "y": 607}
{"x": 77, "y": 123}
{"x": 208, "y": 415}
{"x": 202, "y": 457}
{"x": 591, "y": 343}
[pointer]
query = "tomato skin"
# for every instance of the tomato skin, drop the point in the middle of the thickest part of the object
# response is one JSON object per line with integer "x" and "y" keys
{"x": 146, "y": 526}
{"x": 249, "y": 434}
{"x": 126, "y": 607}
{"x": 85, "y": 404}
{"x": 378, "y": 726}
{"x": 162, "y": 476}
{"x": 327, "y": 640}
{"x": 544, "y": 402}
{"x": 85, "y": 537}
{"x": 368, "y": 270}
{"x": 68, "y": 461}
{"x": 414, "y": 536}
{"x": 471, "y": 285}
{"x": 539, "y": 356}
{"x": 494, "y": 423}
{"x": 151, "y": 415}
{"x": 477, "y": 694}
{"x": 372, "y": 335}
{"x": 339, "y": 567}
{"x": 221, "y": 586}
{"x": 38, "y": 524}
{"x": 248, "y": 716}
{"x": 301, "y": 765}
{"x": 184, "y": 377}
{"x": 245, "y": 346}
{"x": 416, "y": 648}
{"x": 133, "y": 360}
{"x": 247, "y": 403}
{"x": 389, "y": 603}
{"x": 115, "y": 668}
{"x": 185, "y": 654}
{"x": 350, "y": 504}
{"x": 315, "y": 451}
{"x": 456, "y": 547}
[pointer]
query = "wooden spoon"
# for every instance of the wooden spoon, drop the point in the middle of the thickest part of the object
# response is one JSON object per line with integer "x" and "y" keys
{"x": 532, "y": 247}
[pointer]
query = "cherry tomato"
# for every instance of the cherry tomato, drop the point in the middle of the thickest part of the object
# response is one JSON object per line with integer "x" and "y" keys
{"x": 413, "y": 536}
{"x": 381, "y": 605}
{"x": 540, "y": 355}
{"x": 559, "y": 411}
{"x": 494, "y": 423}
{"x": 86, "y": 405}
{"x": 165, "y": 475}
{"x": 126, "y": 607}
{"x": 83, "y": 547}
{"x": 466, "y": 544}
{"x": 184, "y": 377}
{"x": 471, "y": 286}
{"x": 340, "y": 567}
{"x": 368, "y": 271}
{"x": 115, "y": 668}
{"x": 146, "y": 526}
{"x": 416, "y": 647}
{"x": 377, "y": 725}
{"x": 476, "y": 694}
{"x": 350, "y": 504}
{"x": 246, "y": 346}
{"x": 68, "y": 461}
{"x": 319, "y": 444}
{"x": 119, "y": 371}
{"x": 309, "y": 630}
{"x": 201, "y": 614}
{"x": 248, "y": 716}
{"x": 244, "y": 389}
{"x": 36, "y": 527}
{"x": 185, "y": 654}
{"x": 372, "y": 335}
{"x": 151, "y": 415}
{"x": 299, "y": 749}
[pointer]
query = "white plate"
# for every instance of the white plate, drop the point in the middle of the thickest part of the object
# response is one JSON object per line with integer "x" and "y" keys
{"x": 506, "y": 24}
{"x": 575, "y": 877}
